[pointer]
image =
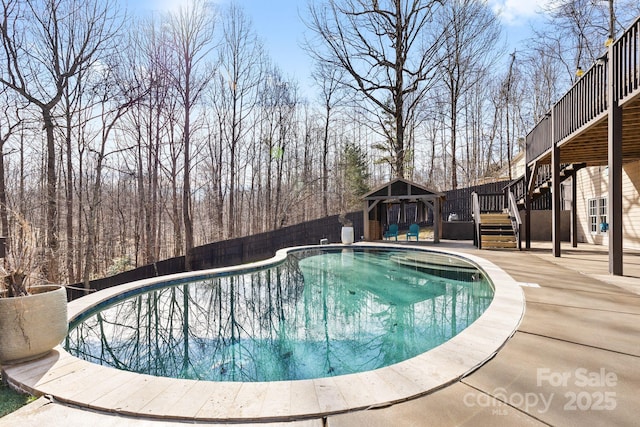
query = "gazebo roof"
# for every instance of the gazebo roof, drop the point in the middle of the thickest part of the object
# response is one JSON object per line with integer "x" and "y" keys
{"x": 402, "y": 189}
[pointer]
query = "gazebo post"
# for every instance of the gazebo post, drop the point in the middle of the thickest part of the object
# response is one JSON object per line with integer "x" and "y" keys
{"x": 372, "y": 227}
{"x": 365, "y": 221}
{"x": 437, "y": 220}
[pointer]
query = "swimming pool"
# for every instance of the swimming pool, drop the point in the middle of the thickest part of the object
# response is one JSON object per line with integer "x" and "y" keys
{"x": 316, "y": 313}
{"x": 89, "y": 385}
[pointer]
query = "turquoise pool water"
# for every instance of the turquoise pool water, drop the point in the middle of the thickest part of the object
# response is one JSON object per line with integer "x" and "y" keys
{"x": 317, "y": 314}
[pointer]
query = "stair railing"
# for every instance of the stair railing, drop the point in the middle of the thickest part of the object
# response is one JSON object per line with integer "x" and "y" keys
{"x": 517, "y": 187}
{"x": 475, "y": 209}
{"x": 516, "y": 221}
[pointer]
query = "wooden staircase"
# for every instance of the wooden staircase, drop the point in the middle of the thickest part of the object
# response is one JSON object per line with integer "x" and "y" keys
{"x": 541, "y": 181}
{"x": 496, "y": 231}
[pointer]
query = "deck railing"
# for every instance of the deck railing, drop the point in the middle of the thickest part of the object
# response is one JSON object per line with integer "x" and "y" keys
{"x": 587, "y": 99}
{"x": 538, "y": 141}
{"x": 517, "y": 187}
{"x": 626, "y": 52}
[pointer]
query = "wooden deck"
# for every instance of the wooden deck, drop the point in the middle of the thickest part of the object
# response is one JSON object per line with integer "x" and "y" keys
{"x": 596, "y": 123}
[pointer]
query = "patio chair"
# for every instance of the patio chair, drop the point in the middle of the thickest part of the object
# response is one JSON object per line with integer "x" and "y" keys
{"x": 414, "y": 231}
{"x": 391, "y": 232}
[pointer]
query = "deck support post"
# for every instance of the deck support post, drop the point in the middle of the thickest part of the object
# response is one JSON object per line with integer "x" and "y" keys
{"x": 574, "y": 211}
{"x": 555, "y": 189}
{"x": 527, "y": 206}
{"x": 614, "y": 214}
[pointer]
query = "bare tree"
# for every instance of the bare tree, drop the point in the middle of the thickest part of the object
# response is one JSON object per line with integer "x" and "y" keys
{"x": 10, "y": 121}
{"x": 507, "y": 89}
{"x": 241, "y": 61}
{"x": 384, "y": 50}
{"x": 278, "y": 99}
{"x": 469, "y": 48}
{"x": 576, "y": 31}
{"x": 214, "y": 159}
{"x": 46, "y": 43}
{"x": 542, "y": 73}
{"x": 151, "y": 58}
{"x": 192, "y": 36}
{"x": 328, "y": 80}
{"x": 114, "y": 93}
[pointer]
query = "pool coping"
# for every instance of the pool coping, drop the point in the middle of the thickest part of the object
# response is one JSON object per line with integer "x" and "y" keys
{"x": 84, "y": 384}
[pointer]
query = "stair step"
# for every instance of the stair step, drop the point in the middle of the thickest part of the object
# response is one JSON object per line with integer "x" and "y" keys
{"x": 498, "y": 238}
{"x": 496, "y": 225}
{"x": 497, "y": 233}
{"x": 499, "y": 245}
{"x": 495, "y": 219}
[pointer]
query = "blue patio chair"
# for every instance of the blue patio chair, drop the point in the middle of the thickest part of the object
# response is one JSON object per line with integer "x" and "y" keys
{"x": 392, "y": 232}
{"x": 414, "y": 231}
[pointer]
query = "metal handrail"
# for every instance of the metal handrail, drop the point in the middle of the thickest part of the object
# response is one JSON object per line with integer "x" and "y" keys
{"x": 516, "y": 221}
{"x": 513, "y": 209}
{"x": 475, "y": 208}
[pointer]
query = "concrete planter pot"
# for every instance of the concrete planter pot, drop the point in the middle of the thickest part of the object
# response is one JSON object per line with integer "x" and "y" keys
{"x": 347, "y": 235}
{"x": 31, "y": 326}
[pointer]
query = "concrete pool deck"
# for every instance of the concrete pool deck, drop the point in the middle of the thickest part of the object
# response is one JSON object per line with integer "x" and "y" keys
{"x": 574, "y": 360}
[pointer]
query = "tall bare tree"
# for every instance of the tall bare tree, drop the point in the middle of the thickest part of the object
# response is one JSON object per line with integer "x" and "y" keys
{"x": 469, "y": 48}
{"x": 386, "y": 52}
{"x": 151, "y": 59}
{"x": 114, "y": 93}
{"x": 45, "y": 43}
{"x": 241, "y": 61}
{"x": 192, "y": 30}
{"x": 10, "y": 122}
{"x": 328, "y": 80}
{"x": 507, "y": 88}
{"x": 576, "y": 31}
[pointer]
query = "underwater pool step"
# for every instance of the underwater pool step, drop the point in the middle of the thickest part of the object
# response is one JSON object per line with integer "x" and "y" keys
{"x": 434, "y": 262}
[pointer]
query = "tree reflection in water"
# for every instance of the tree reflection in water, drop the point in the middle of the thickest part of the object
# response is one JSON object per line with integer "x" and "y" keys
{"x": 315, "y": 315}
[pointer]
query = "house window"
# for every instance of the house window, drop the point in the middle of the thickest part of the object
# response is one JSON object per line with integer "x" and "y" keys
{"x": 565, "y": 195}
{"x": 598, "y": 215}
{"x": 602, "y": 211}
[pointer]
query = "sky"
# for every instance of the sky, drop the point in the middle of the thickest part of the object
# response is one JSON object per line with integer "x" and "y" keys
{"x": 279, "y": 26}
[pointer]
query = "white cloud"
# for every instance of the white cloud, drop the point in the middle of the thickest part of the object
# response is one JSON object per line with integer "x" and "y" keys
{"x": 164, "y": 5}
{"x": 514, "y": 12}
{"x": 172, "y": 5}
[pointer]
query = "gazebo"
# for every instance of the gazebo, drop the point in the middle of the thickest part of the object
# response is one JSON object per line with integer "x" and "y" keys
{"x": 401, "y": 201}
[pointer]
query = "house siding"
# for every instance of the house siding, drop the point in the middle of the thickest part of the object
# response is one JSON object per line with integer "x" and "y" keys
{"x": 593, "y": 183}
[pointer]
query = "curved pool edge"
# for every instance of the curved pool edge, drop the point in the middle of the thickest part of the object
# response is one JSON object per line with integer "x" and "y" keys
{"x": 84, "y": 384}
